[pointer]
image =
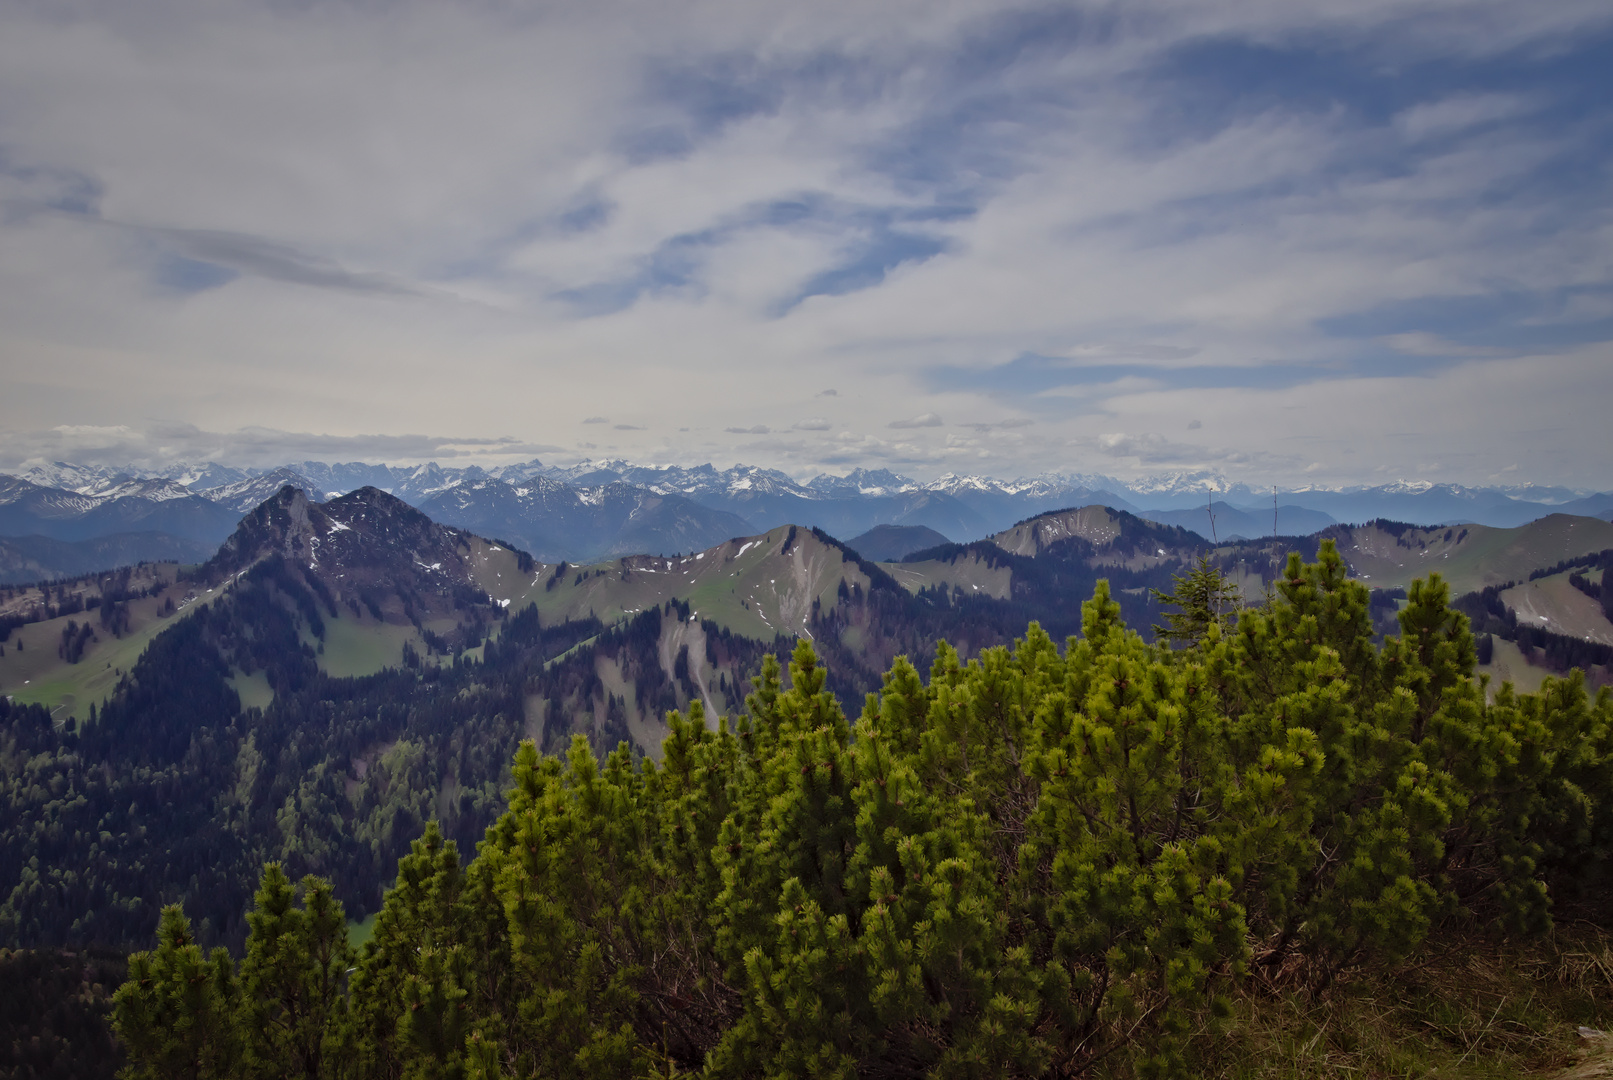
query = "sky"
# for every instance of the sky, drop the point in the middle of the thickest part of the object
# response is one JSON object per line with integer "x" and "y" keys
{"x": 1285, "y": 241}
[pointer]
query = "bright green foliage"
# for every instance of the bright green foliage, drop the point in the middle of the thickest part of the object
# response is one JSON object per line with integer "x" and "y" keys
{"x": 1427, "y": 797}
{"x": 311, "y": 820}
{"x": 1041, "y": 859}
{"x": 570, "y": 868}
{"x": 292, "y": 979}
{"x": 1131, "y": 855}
{"x": 866, "y": 911}
{"x": 405, "y": 1019}
{"x": 1307, "y": 665}
{"x": 177, "y": 1012}
{"x": 280, "y": 1016}
{"x": 393, "y": 802}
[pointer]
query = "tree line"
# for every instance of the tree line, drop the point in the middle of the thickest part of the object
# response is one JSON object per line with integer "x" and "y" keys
{"x": 109, "y": 591}
{"x": 1491, "y": 617}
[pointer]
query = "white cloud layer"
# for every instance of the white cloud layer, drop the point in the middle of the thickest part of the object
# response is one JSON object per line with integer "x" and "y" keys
{"x": 1281, "y": 239}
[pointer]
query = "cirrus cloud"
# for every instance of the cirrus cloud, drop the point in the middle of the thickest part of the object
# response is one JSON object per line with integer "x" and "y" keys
{"x": 922, "y": 420}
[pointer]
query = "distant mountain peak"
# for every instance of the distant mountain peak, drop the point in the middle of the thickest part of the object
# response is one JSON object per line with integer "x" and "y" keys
{"x": 1101, "y": 526}
{"x": 873, "y": 482}
{"x": 243, "y": 495}
{"x": 84, "y": 479}
{"x": 1183, "y": 482}
{"x": 367, "y": 528}
{"x": 283, "y": 524}
{"x": 892, "y": 543}
{"x": 1408, "y": 487}
{"x": 612, "y": 506}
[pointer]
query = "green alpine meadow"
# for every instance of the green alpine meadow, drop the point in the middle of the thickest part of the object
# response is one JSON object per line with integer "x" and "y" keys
{"x": 1184, "y": 855}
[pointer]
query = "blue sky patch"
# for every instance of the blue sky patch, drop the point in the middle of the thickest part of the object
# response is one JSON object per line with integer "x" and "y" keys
{"x": 184, "y": 275}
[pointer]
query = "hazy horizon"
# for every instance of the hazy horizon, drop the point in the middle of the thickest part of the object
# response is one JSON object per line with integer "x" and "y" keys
{"x": 1163, "y": 483}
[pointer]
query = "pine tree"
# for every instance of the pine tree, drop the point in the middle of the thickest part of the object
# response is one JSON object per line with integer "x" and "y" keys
{"x": 570, "y": 865}
{"x": 1362, "y": 891}
{"x": 686, "y": 995}
{"x": 1204, "y": 597}
{"x": 402, "y": 970}
{"x": 1124, "y": 877}
{"x": 177, "y": 1013}
{"x": 293, "y": 979}
{"x": 867, "y": 914}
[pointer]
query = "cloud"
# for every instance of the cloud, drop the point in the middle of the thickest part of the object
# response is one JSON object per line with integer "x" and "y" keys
{"x": 1194, "y": 425}
{"x": 1002, "y": 425}
{"x": 1113, "y": 350}
{"x": 1460, "y": 113}
{"x": 234, "y": 253}
{"x": 628, "y": 427}
{"x": 973, "y": 211}
{"x": 1419, "y": 343}
{"x": 159, "y": 445}
{"x": 1150, "y": 448}
{"x": 923, "y": 420}
{"x": 759, "y": 429}
{"x": 1149, "y": 451}
{"x": 1034, "y": 374}
{"x": 816, "y": 423}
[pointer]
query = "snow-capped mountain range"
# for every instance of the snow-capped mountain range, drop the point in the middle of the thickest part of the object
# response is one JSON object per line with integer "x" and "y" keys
{"x": 610, "y": 507}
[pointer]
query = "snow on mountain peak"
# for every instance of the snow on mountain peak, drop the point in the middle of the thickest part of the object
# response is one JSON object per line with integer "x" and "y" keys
{"x": 80, "y": 479}
{"x": 1181, "y": 483}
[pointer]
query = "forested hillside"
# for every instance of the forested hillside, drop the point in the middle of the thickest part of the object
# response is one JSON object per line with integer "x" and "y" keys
{"x": 1049, "y": 861}
{"x": 234, "y": 738}
{"x": 241, "y": 701}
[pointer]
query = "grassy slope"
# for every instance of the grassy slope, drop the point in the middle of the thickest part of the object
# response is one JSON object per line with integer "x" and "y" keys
{"x": 36, "y": 674}
{"x": 354, "y": 645}
{"x": 1483, "y": 556}
{"x": 1553, "y": 603}
{"x": 1509, "y": 665}
{"x": 1471, "y": 557}
{"x": 749, "y": 585}
{"x": 1486, "y": 556}
{"x": 255, "y": 691}
{"x": 359, "y": 645}
{"x": 1470, "y": 1006}
{"x": 969, "y": 574}
{"x": 361, "y": 931}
